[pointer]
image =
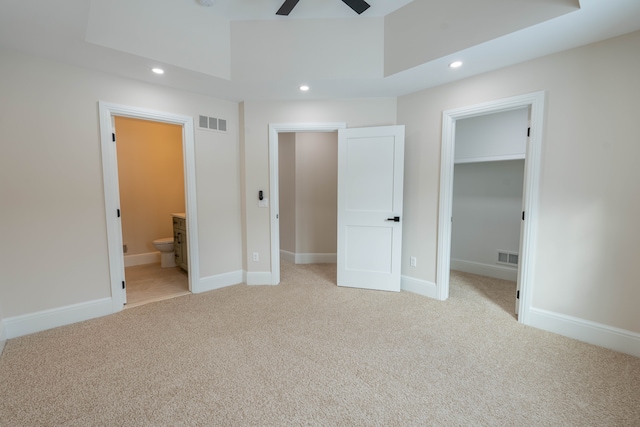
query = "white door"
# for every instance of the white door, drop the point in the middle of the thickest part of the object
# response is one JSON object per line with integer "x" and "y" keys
{"x": 370, "y": 185}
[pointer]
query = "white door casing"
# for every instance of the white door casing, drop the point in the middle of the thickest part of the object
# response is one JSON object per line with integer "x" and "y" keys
{"x": 370, "y": 192}
{"x": 536, "y": 102}
{"x": 112, "y": 194}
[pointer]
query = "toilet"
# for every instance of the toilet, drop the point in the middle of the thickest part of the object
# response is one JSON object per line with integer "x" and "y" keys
{"x": 167, "y": 256}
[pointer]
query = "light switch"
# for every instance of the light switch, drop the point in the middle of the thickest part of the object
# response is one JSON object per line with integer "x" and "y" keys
{"x": 264, "y": 203}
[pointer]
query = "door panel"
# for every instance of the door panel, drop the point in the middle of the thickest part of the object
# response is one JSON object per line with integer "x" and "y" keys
{"x": 370, "y": 175}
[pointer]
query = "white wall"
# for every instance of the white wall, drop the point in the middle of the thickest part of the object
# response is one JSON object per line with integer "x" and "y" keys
{"x": 487, "y": 206}
{"x": 588, "y": 237}
{"x": 498, "y": 136}
{"x": 51, "y": 181}
{"x": 255, "y": 148}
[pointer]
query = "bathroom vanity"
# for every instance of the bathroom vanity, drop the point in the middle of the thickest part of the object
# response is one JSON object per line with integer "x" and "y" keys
{"x": 180, "y": 240}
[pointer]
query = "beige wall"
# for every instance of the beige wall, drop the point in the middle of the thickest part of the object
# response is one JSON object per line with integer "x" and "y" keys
{"x": 588, "y": 235}
{"x": 287, "y": 190}
{"x": 151, "y": 179}
{"x": 316, "y": 192}
{"x": 255, "y": 146}
{"x": 308, "y": 178}
{"x": 51, "y": 181}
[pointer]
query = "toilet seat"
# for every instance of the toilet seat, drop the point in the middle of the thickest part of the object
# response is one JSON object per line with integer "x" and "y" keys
{"x": 164, "y": 240}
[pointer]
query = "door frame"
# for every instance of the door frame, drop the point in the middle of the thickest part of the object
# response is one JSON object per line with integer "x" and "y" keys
{"x": 112, "y": 191}
{"x": 274, "y": 207}
{"x": 528, "y": 238}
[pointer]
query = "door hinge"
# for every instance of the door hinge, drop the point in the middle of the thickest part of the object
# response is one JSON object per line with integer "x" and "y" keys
{"x": 118, "y": 212}
{"x": 528, "y": 131}
{"x": 113, "y": 137}
{"x": 517, "y": 294}
{"x": 523, "y": 215}
{"x": 123, "y": 284}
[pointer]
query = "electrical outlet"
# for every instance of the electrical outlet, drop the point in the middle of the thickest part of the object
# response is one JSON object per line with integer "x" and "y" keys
{"x": 256, "y": 256}
{"x": 413, "y": 261}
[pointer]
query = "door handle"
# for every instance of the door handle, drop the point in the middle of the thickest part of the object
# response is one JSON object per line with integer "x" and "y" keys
{"x": 394, "y": 219}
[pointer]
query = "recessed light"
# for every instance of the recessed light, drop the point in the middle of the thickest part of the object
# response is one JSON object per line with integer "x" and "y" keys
{"x": 455, "y": 64}
{"x": 304, "y": 88}
{"x": 158, "y": 70}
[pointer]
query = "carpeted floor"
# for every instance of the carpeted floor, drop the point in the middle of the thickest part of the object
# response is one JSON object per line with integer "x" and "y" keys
{"x": 309, "y": 353}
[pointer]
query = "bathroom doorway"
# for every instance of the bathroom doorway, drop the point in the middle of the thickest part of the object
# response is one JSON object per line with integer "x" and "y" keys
{"x": 152, "y": 199}
{"x": 108, "y": 113}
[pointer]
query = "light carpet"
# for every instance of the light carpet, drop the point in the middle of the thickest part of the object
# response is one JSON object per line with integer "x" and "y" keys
{"x": 308, "y": 353}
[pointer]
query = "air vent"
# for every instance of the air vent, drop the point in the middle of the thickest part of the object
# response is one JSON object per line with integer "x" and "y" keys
{"x": 212, "y": 123}
{"x": 508, "y": 258}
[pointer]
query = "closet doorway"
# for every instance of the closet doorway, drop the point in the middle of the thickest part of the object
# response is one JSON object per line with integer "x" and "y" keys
{"x": 487, "y": 203}
{"x": 535, "y": 103}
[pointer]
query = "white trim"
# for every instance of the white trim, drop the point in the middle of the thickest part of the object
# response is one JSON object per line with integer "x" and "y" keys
{"x": 617, "y": 339}
{"x": 141, "y": 259}
{"x": 490, "y": 158}
{"x": 495, "y": 271}
{"x": 259, "y": 278}
{"x": 274, "y": 129}
{"x": 112, "y": 194}
{"x": 47, "y": 319}
{"x": 528, "y": 236}
{"x": 418, "y": 286}
{"x": 287, "y": 256}
{"x": 218, "y": 281}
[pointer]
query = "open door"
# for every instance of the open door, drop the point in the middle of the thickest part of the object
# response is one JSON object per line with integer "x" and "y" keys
{"x": 370, "y": 190}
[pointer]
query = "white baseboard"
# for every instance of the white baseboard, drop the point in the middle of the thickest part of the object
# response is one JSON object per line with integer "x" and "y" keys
{"x": 25, "y": 324}
{"x": 489, "y": 270}
{"x": 310, "y": 258}
{"x": 141, "y": 259}
{"x": 287, "y": 256}
{"x": 258, "y": 278}
{"x": 218, "y": 281}
{"x": 3, "y": 335}
{"x": 621, "y": 340}
{"x": 418, "y": 286}
{"x": 316, "y": 258}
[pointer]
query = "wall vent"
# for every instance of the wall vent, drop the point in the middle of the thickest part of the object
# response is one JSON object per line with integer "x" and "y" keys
{"x": 212, "y": 123}
{"x": 508, "y": 258}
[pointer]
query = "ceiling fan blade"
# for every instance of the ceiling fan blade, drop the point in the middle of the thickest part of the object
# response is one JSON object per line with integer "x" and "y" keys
{"x": 358, "y": 6}
{"x": 287, "y": 7}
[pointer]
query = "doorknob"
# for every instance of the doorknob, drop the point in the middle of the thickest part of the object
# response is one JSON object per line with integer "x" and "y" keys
{"x": 394, "y": 219}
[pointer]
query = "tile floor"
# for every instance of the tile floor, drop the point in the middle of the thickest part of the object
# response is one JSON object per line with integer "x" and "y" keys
{"x": 150, "y": 282}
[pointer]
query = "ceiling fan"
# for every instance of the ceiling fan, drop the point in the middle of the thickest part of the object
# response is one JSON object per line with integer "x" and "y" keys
{"x": 358, "y": 6}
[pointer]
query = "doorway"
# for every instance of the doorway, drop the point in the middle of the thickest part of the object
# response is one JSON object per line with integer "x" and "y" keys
{"x": 370, "y": 170}
{"x": 274, "y": 181}
{"x": 308, "y": 196}
{"x": 535, "y": 102}
{"x": 152, "y": 199}
{"x": 112, "y": 194}
{"x": 487, "y": 202}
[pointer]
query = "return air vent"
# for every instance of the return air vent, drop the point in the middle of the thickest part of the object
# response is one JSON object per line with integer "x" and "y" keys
{"x": 212, "y": 123}
{"x": 508, "y": 258}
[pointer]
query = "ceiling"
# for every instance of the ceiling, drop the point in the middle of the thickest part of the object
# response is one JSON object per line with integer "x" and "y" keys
{"x": 240, "y": 50}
